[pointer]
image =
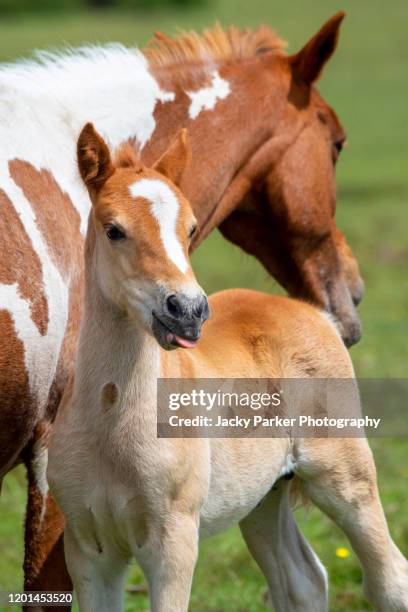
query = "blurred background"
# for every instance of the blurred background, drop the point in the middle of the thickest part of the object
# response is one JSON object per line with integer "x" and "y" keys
{"x": 367, "y": 84}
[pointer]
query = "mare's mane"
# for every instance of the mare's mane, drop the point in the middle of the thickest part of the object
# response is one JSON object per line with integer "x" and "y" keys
{"x": 56, "y": 73}
{"x": 213, "y": 44}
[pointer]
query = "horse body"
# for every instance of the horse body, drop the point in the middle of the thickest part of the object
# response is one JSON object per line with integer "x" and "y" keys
{"x": 127, "y": 493}
{"x": 245, "y": 77}
{"x": 234, "y": 476}
{"x": 123, "y": 490}
{"x": 42, "y": 196}
{"x": 44, "y": 209}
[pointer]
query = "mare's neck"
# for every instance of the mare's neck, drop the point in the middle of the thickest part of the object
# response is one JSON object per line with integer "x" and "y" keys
{"x": 223, "y": 138}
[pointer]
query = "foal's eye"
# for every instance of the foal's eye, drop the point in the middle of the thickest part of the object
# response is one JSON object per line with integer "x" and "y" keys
{"x": 192, "y": 232}
{"x": 114, "y": 233}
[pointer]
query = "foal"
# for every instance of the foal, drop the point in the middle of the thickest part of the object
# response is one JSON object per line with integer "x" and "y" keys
{"x": 126, "y": 493}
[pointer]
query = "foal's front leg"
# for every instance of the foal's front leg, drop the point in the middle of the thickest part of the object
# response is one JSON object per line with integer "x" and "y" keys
{"x": 168, "y": 560}
{"x": 98, "y": 573}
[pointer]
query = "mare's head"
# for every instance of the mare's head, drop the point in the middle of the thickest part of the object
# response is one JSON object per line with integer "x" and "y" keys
{"x": 287, "y": 219}
{"x": 302, "y": 190}
{"x": 141, "y": 227}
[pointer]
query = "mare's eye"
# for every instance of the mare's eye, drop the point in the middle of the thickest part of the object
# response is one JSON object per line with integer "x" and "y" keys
{"x": 192, "y": 232}
{"x": 114, "y": 233}
{"x": 337, "y": 148}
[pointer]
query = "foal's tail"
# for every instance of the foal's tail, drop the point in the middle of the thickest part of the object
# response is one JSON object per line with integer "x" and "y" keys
{"x": 298, "y": 496}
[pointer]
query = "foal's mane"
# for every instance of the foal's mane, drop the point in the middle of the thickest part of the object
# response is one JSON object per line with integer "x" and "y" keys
{"x": 126, "y": 156}
{"x": 213, "y": 44}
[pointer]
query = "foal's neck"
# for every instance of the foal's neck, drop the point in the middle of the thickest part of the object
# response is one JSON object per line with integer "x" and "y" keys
{"x": 112, "y": 349}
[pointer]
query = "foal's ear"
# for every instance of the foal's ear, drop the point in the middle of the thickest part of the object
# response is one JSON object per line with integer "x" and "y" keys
{"x": 175, "y": 160}
{"x": 308, "y": 63}
{"x": 94, "y": 160}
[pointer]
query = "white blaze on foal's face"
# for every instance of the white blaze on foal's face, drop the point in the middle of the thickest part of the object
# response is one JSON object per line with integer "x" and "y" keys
{"x": 165, "y": 208}
{"x": 143, "y": 227}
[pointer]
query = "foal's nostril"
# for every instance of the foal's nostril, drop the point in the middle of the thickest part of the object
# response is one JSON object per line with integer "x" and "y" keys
{"x": 174, "y": 306}
{"x": 201, "y": 309}
{"x": 180, "y": 307}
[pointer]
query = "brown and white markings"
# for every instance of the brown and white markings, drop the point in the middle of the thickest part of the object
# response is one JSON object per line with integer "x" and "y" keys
{"x": 270, "y": 187}
{"x": 127, "y": 493}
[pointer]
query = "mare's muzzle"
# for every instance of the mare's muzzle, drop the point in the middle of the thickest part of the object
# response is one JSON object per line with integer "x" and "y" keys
{"x": 342, "y": 305}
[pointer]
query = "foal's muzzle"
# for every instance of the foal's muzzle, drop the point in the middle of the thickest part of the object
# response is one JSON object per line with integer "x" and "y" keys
{"x": 180, "y": 320}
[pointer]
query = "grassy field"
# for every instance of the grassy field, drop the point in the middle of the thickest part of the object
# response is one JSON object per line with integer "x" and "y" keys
{"x": 367, "y": 84}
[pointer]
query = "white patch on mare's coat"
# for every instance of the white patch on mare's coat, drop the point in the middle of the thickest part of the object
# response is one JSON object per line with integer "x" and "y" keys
{"x": 165, "y": 207}
{"x": 43, "y": 106}
{"x": 207, "y": 97}
{"x": 40, "y": 352}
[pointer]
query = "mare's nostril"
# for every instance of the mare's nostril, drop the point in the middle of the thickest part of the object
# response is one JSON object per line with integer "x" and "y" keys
{"x": 174, "y": 307}
{"x": 357, "y": 295}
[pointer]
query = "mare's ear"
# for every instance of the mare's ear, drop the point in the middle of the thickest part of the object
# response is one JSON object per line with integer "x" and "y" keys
{"x": 308, "y": 63}
{"x": 94, "y": 159}
{"x": 175, "y": 160}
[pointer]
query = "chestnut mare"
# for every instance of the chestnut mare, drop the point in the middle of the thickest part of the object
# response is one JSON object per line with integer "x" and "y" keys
{"x": 264, "y": 145}
{"x": 127, "y": 493}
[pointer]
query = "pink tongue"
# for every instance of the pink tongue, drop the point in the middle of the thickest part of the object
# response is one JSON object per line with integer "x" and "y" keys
{"x": 183, "y": 342}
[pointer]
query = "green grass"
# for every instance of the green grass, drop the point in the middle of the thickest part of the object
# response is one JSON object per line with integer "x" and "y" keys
{"x": 366, "y": 82}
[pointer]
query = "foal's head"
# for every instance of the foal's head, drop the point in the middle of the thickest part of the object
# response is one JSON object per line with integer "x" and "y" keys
{"x": 142, "y": 227}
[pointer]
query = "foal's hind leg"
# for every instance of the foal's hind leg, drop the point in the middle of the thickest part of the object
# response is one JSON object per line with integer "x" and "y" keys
{"x": 296, "y": 578}
{"x": 340, "y": 477}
